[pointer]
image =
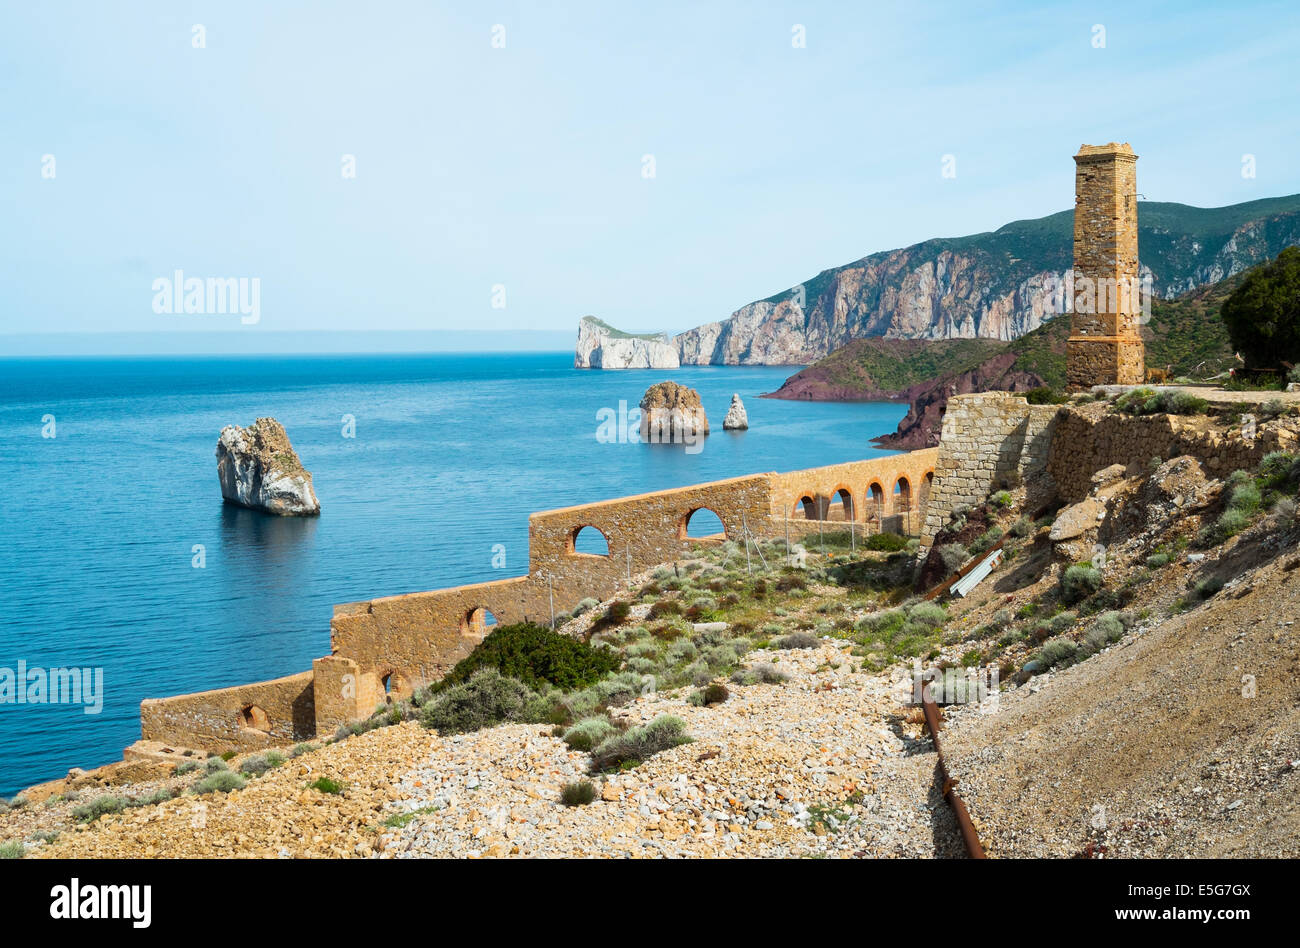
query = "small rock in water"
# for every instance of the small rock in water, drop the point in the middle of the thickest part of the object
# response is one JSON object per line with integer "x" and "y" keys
{"x": 737, "y": 419}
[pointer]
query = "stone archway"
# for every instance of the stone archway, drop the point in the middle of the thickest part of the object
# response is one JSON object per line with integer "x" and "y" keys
{"x": 586, "y": 540}
{"x": 477, "y": 622}
{"x": 702, "y": 523}
{"x": 254, "y": 718}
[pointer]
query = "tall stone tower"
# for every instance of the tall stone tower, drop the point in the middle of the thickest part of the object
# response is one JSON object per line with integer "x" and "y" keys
{"x": 1104, "y": 346}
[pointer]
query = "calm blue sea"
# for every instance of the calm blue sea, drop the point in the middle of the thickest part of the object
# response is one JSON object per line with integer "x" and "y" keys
{"x": 98, "y": 523}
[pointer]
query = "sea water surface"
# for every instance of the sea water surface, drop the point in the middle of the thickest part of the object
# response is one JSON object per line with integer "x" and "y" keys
{"x": 109, "y": 488}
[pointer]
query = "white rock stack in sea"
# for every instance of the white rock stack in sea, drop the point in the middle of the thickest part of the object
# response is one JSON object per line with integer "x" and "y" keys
{"x": 259, "y": 469}
{"x": 601, "y": 346}
{"x": 736, "y": 419}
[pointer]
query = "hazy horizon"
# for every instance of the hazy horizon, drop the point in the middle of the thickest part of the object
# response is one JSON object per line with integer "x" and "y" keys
{"x": 426, "y": 167}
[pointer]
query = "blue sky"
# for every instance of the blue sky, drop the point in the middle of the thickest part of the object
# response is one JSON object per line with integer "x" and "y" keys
{"x": 523, "y": 166}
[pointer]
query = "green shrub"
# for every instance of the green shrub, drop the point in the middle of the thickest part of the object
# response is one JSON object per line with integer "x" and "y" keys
{"x": 1001, "y": 499}
{"x": 300, "y": 749}
{"x": 1157, "y": 560}
{"x": 326, "y": 785}
{"x": 1079, "y": 582}
{"x": 487, "y": 699}
{"x": 1062, "y": 621}
{"x": 616, "y": 614}
{"x": 578, "y": 793}
{"x": 1043, "y": 395}
{"x": 1022, "y": 527}
{"x": 953, "y": 556}
{"x": 715, "y": 693}
{"x": 797, "y": 640}
{"x": 761, "y": 672}
{"x": 214, "y": 764}
{"x": 885, "y": 542}
{"x": 1056, "y": 651}
{"x": 1262, "y": 315}
{"x": 100, "y": 806}
{"x": 587, "y": 733}
{"x": 1147, "y": 401}
{"x": 254, "y": 766}
{"x": 639, "y": 744}
{"x": 585, "y": 605}
{"x": 185, "y": 767}
{"x": 161, "y": 795}
{"x": 981, "y": 544}
{"x": 929, "y": 615}
{"x": 222, "y": 781}
{"x": 535, "y": 656}
{"x": 12, "y": 849}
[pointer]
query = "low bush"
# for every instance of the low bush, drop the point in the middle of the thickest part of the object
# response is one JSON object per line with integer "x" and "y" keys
{"x": 885, "y": 542}
{"x": 715, "y": 693}
{"x": 953, "y": 556}
{"x": 300, "y": 749}
{"x": 535, "y": 656}
{"x": 797, "y": 640}
{"x": 929, "y": 615}
{"x": 100, "y": 806}
{"x": 326, "y": 785}
{"x": 578, "y": 793}
{"x": 639, "y": 744}
{"x": 221, "y": 781}
{"x": 616, "y": 614}
{"x": 1146, "y": 401}
{"x": 1079, "y": 582}
{"x": 1057, "y": 651}
{"x": 588, "y": 733}
{"x": 12, "y": 849}
{"x": 1157, "y": 560}
{"x": 487, "y": 699}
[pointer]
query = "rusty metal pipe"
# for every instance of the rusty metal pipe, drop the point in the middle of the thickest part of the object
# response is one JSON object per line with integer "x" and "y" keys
{"x": 973, "y": 847}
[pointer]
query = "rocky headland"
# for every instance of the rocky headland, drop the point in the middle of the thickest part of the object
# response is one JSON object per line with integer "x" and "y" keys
{"x": 998, "y": 285}
{"x": 259, "y": 469}
{"x": 601, "y": 346}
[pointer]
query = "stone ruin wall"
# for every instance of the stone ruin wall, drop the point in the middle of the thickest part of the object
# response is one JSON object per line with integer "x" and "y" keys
{"x": 394, "y": 644}
{"x": 212, "y": 720}
{"x": 990, "y": 440}
{"x": 1091, "y": 437}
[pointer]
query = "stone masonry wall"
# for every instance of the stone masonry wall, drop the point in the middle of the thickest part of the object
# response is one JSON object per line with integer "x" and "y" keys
{"x": 989, "y": 440}
{"x": 1090, "y": 437}
{"x": 215, "y": 720}
{"x": 387, "y": 647}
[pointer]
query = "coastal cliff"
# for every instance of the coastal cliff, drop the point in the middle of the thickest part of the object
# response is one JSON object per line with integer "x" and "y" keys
{"x": 601, "y": 346}
{"x": 998, "y": 285}
{"x": 259, "y": 469}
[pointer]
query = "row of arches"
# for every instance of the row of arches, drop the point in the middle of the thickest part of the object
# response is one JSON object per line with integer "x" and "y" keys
{"x": 875, "y": 504}
{"x": 701, "y": 523}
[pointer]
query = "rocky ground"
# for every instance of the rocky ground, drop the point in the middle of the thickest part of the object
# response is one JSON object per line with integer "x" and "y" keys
{"x": 821, "y": 765}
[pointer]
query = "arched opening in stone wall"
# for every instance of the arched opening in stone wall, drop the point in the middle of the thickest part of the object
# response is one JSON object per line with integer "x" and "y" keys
{"x": 902, "y": 496}
{"x": 253, "y": 718}
{"x": 702, "y": 524}
{"x": 875, "y": 501}
{"x": 841, "y": 505}
{"x": 587, "y": 540}
{"x": 477, "y": 622}
{"x": 927, "y": 484}
{"x": 395, "y": 686}
{"x": 808, "y": 507}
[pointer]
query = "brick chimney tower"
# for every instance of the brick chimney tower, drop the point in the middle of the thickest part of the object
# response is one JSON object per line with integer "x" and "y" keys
{"x": 1104, "y": 346}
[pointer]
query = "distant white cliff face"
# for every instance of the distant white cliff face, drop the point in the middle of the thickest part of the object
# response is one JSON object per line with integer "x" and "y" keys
{"x": 601, "y": 346}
